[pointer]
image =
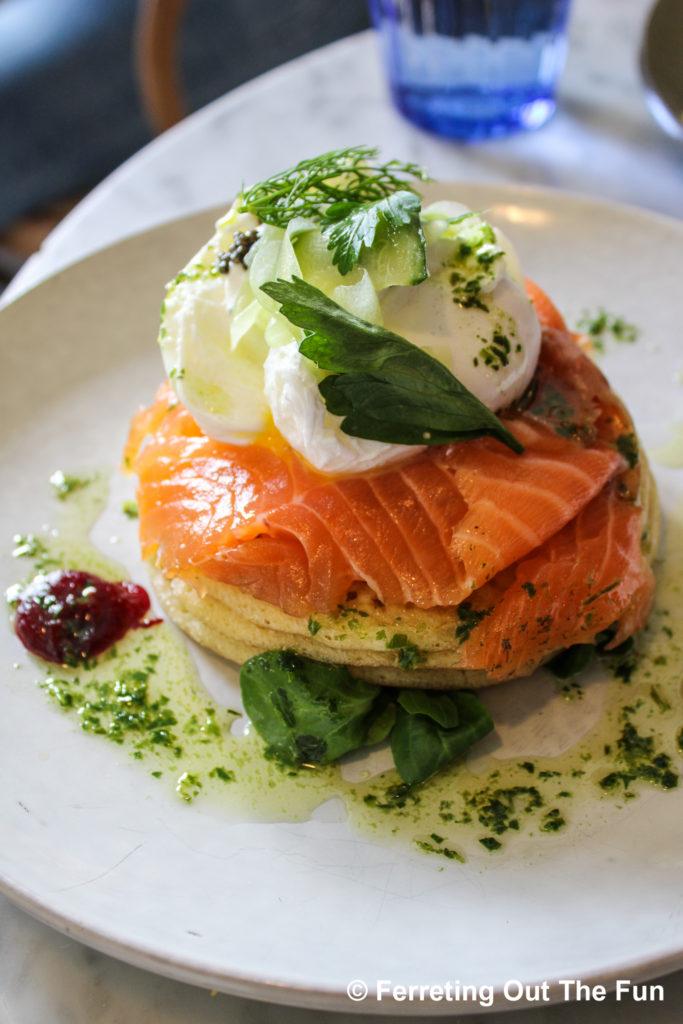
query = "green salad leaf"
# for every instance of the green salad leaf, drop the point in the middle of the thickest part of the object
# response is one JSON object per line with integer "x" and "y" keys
{"x": 382, "y": 719}
{"x": 313, "y": 713}
{"x": 384, "y": 387}
{"x": 421, "y": 745}
{"x": 307, "y": 711}
{"x": 441, "y": 706}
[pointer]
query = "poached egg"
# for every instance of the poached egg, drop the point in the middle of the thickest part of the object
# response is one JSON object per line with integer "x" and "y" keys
{"x": 234, "y": 361}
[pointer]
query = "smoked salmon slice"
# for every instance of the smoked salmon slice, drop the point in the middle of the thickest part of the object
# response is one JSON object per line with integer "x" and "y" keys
{"x": 430, "y": 532}
{"x": 580, "y": 582}
{"x": 546, "y": 311}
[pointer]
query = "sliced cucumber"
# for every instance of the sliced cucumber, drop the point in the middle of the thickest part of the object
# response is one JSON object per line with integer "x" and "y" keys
{"x": 397, "y": 257}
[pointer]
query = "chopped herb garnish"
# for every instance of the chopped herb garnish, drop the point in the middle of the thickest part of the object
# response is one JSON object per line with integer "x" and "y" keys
{"x": 627, "y": 445}
{"x": 65, "y": 484}
{"x": 313, "y": 626}
{"x": 469, "y": 619}
{"x": 499, "y": 810}
{"x": 188, "y": 786}
{"x": 601, "y": 325}
{"x": 661, "y": 702}
{"x": 497, "y": 353}
{"x": 409, "y": 655}
{"x": 473, "y": 262}
{"x": 640, "y": 760}
{"x": 130, "y": 509}
{"x": 552, "y": 821}
{"x": 118, "y": 708}
{"x": 446, "y": 851}
{"x": 393, "y": 798}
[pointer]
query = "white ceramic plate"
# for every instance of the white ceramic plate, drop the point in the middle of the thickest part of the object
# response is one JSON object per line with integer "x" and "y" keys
{"x": 292, "y": 912}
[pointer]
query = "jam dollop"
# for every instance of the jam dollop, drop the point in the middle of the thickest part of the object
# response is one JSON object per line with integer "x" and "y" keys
{"x": 70, "y": 616}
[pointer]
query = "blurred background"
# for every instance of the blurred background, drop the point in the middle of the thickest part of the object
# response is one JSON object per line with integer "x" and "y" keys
{"x": 86, "y": 83}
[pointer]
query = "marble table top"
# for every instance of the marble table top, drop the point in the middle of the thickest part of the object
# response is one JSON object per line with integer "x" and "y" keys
{"x": 602, "y": 142}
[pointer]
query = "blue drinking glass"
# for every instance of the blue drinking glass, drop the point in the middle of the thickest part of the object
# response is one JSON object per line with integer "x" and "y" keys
{"x": 473, "y": 69}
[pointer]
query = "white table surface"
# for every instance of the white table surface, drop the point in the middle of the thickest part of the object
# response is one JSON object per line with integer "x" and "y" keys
{"x": 602, "y": 141}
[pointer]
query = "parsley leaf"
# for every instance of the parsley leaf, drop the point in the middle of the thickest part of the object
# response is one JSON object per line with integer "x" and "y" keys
{"x": 354, "y": 226}
{"x": 384, "y": 387}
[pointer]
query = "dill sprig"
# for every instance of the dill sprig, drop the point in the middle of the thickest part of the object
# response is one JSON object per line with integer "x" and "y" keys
{"x": 314, "y": 187}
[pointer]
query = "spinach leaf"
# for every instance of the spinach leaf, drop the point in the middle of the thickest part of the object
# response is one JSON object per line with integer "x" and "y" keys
{"x": 421, "y": 746}
{"x": 311, "y": 712}
{"x": 441, "y": 706}
{"x": 306, "y": 710}
{"x": 384, "y": 387}
{"x": 382, "y": 718}
{"x": 572, "y": 661}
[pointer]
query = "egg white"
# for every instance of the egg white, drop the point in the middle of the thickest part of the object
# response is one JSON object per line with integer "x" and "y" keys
{"x": 234, "y": 363}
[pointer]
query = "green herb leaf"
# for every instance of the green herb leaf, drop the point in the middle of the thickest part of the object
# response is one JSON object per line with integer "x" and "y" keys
{"x": 307, "y": 711}
{"x": 385, "y": 388}
{"x": 353, "y": 226}
{"x": 328, "y": 186}
{"x": 421, "y": 746}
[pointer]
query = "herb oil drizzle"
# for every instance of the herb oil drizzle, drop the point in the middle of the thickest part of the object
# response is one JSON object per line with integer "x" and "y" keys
{"x": 144, "y": 695}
